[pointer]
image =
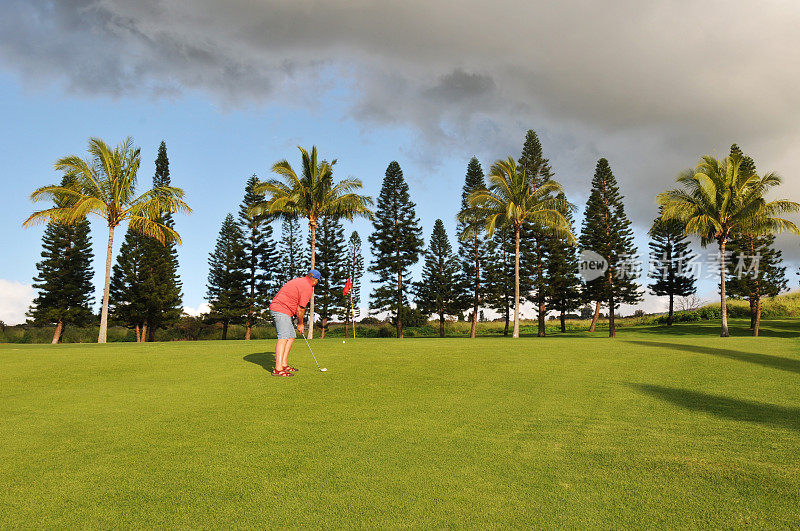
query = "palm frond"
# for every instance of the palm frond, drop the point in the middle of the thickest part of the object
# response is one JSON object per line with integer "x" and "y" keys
{"x": 348, "y": 206}
{"x": 153, "y": 229}
{"x": 157, "y": 202}
{"x": 776, "y": 225}
{"x": 284, "y": 169}
{"x": 55, "y": 193}
{"x": 346, "y": 186}
{"x": 60, "y": 215}
{"x": 86, "y": 205}
{"x": 86, "y": 178}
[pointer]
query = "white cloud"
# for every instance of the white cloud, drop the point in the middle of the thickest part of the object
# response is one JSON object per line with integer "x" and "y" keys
{"x": 15, "y": 299}
{"x": 200, "y": 309}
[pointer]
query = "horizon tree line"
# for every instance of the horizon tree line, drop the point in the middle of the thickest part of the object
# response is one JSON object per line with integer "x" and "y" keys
{"x": 522, "y": 218}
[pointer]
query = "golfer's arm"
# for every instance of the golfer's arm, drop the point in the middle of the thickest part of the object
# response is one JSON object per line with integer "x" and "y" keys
{"x": 301, "y": 312}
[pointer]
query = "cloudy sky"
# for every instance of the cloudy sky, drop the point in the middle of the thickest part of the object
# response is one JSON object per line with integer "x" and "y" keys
{"x": 234, "y": 86}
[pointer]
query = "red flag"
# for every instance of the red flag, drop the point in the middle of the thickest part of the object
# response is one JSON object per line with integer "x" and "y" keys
{"x": 347, "y": 287}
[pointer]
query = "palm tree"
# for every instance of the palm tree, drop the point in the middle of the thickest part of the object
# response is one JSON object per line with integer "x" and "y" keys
{"x": 104, "y": 185}
{"x": 311, "y": 196}
{"x": 718, "y": 199}
{"x": 513, "y": 199}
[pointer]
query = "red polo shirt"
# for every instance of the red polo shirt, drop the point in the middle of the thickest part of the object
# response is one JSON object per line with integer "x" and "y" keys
{"x": 293, "y": 295}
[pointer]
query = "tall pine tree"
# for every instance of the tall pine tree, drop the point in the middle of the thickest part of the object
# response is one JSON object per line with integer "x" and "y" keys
{"x": 438, "y": 292}
{"x": 227, "y": 277}
{"x": 330, "y": 262}
{"x": 163, "y": 283}
{"x": 606, "y": 230}
{"x": 472, "y": 250}
{"x": 396, "y": 244}
{"x": 260, "y": 256}
{"x": 539, "y": 240}
{"x": 354, "y": 269}
{"x": 145, "y": 291}
{"x": 64, "y": 278}
{"x": 563, "y": 282}
{"x": 293, "y": 261}
{"x": 669, "y": 259}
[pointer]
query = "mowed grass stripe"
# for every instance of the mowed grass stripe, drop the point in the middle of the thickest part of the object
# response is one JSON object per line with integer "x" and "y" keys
{"x": 647, "y": 429}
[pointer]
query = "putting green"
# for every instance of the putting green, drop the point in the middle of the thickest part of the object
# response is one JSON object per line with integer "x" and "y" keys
{"x": 653, "y": 428}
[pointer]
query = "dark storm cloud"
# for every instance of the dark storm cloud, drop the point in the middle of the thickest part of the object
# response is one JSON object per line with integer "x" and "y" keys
{"x": 458, "y": 86}
{"x": 649, "y": 85}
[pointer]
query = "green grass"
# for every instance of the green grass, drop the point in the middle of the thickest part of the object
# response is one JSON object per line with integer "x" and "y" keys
{"x": 656, "y": 428}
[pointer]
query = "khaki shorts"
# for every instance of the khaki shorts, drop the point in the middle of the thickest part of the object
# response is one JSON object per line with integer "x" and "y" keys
{"x": 284, "y": 325}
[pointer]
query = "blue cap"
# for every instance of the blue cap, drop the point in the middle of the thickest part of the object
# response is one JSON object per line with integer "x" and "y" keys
{"x": 314, "y": 273}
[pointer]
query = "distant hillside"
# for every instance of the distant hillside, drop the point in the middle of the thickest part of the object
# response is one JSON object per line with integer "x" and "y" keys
{"x": 784, "y": 305}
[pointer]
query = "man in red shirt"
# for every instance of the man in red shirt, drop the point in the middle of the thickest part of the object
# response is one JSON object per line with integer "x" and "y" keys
{"x": 290, "y": 301}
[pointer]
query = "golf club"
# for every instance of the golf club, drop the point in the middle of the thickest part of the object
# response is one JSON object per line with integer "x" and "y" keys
{"x": 322, "y": 369}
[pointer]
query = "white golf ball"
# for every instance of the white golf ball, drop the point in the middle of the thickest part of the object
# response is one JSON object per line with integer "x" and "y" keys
{"x": 323, "y": 369}
{"x": 342, "y": 341}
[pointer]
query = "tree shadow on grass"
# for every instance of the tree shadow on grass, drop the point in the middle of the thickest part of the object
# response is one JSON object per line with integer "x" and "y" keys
{"x": 264, "y": 359}
{"x": 727, "y": 408}
{"x": 766, "y": 360}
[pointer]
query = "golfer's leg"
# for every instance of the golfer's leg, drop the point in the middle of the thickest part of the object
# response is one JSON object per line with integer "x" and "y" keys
{"x": 280, "y": 349}
{"x": 289, "y": 343}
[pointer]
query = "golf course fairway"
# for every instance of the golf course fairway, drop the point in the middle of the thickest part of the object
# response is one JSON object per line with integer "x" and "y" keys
{"x": 654, "y": 428}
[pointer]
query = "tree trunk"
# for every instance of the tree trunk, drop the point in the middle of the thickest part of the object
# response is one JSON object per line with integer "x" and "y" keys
{"x": 612, "y": 331}
{"x": 224, "y": 330}
{"x": 138, "y": 332}
{"x": 596, "y": 317}
{"x": 758, "y": 317}
{"x": 324, "y": 326}
{"x": 516, "y": 282}
{"x": 313, "y": 227}
{"x": 249, "y": 325}
{"x": 563, "y": 323}
{"x": 144, "y": 332}
{"x": 103, "y": 335}
{"x": 57, "y": 334}
{"x": 505, "y": 330}
{"x": 473, "y": 329}
{"x": 752, "y": 311}
{"x": 671, "y": 306}
{"x": 399, "y": 323}
{"x": 542, "y": 312}
{"x": 441, "y": 324}
{"x": 722, "y": 301}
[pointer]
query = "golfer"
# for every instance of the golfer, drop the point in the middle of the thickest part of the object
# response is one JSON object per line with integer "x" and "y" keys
{"x": 290, "y": 301}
